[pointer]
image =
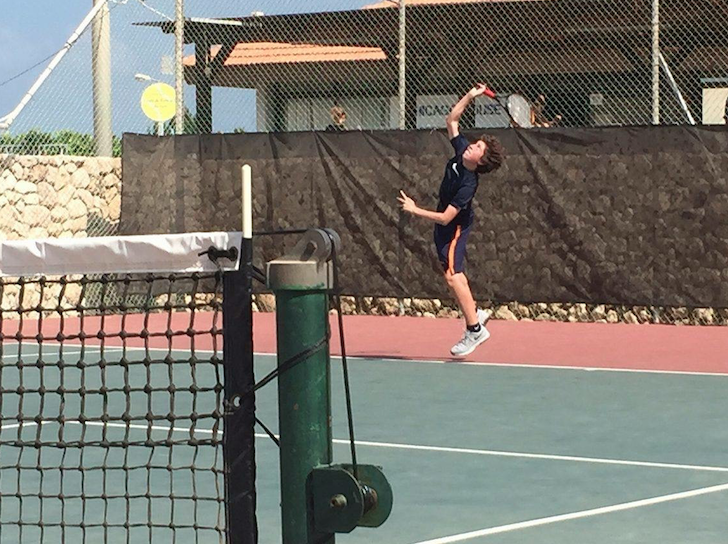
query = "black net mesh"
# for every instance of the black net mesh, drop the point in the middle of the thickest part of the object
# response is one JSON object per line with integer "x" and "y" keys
{"x": 111, "y": 409}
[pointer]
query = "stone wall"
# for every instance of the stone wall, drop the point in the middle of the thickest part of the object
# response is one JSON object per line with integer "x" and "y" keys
{"x": 42, "y": 196}
{"x": 516, "y": 311}
{"x": 58, "y": 196}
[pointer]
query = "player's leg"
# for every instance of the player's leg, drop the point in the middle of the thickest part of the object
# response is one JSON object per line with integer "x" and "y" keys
{"x": 455, "y": 275}
{"x": 475, "y": 332}
{"x": 460, "y": 287}
{"x": 482, "y": 314}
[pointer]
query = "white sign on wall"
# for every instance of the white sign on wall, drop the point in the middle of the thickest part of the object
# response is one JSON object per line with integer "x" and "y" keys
{"x": 433, "y": 109}
{"x": 715, "y": 106}
{"x": 371, "y": 113}
{"x": 490, "y": 114}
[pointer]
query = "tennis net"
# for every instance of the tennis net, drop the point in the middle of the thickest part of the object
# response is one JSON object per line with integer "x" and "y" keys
{"x": 113, "y": 391}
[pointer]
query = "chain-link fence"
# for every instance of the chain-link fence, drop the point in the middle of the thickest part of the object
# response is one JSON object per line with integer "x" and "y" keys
{"x": 388, "y": 65}
{"x": 292, "y": 65}
{"x": 298, "y": 65}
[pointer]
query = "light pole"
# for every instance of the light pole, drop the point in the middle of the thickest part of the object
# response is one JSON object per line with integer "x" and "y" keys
{"x": 179, "y": 44}
{"x": 101, "y": 70}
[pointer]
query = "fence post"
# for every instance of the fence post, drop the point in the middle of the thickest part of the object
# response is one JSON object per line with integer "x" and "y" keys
{"x": 179, "y": 70}
{"x": 655, "y": 62}
{"x": 402, "y": 65}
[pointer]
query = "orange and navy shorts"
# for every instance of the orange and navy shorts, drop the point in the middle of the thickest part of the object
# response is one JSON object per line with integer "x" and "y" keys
{"x": 450, "y": 243}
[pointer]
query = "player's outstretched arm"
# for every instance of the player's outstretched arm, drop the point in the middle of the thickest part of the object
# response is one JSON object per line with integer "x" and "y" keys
{"x": 409, "y": 206}
{"x": 453, "y": 118}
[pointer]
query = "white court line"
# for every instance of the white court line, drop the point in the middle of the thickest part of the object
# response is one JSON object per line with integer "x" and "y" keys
{"x": 90, "y": 350}
{"x": 439, "y": 449}
{"x": 36, "y": 354}
{"x": 143, "y": 427}
{"x": 498, "y": 453}
{"x": 577, "y": 515}
{"x": 502, "y": 528}
{"x": 484, "y": 364}
{"x": 15, "y": 356}
{"x": 16, "y": 425}
{"x": 481, "y": 364}
{"x": 431, "y": 361}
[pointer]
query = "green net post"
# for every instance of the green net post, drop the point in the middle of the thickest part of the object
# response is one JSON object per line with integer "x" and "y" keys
{"x": 301, "y": 284}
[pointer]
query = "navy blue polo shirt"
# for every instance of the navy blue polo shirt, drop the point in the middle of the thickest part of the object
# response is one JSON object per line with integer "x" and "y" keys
{"x": 458, "y": 187}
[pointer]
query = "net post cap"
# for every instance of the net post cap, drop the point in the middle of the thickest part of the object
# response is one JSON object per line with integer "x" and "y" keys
{"x": 294, "y": 275}
{"x": 308, "y": 266}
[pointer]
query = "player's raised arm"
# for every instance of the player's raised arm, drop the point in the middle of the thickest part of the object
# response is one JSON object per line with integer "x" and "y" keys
{"x": 453, "y": 118}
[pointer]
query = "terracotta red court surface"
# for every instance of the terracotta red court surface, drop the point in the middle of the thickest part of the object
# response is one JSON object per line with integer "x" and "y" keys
{"x": 580, "y": 345}
{"x": 590, "y": 345}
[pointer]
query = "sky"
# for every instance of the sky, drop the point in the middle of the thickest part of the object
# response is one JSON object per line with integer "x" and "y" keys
{"x": 33, "y": 31}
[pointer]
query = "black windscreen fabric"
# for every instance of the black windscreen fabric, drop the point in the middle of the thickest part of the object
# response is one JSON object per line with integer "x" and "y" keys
{"x": 630, "y": 215}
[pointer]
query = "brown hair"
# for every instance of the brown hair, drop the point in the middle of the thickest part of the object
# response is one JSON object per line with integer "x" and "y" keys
{"x": 494, "y": 155}
{"x": 337, "y": 112}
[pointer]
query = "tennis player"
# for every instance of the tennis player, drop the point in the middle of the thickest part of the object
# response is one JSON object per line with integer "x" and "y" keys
{"x": 454, "y": 216}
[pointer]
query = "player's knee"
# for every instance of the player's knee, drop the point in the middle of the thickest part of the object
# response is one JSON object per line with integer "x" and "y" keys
{"x": 456, "y": 280}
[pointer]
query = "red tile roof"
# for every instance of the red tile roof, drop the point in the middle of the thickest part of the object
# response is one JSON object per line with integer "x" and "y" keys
{"x": 246, "y": 54}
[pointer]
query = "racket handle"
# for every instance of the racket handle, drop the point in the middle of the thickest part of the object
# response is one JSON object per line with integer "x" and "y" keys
{"x": 489, "y": 92}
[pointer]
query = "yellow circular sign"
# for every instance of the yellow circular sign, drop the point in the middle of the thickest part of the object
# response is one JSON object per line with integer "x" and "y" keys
{"x": 158, "y": 102}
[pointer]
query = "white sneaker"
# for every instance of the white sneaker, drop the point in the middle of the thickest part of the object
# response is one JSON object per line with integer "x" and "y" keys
{"x": 470, "y": 341}
{"x": 484, "y": 316}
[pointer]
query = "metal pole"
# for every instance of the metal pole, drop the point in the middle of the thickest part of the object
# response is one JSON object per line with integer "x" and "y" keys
{"x": 402, "y": 64}
{"x": 300, "y": 281}
{"x": 655, "y": 62}
{"x": 304, "y": 406}
{"x": 239, "y": 436}
{"x": 101, "y": 67}
{"x": 179, "y": 75}
{"x": 203, "y": 94}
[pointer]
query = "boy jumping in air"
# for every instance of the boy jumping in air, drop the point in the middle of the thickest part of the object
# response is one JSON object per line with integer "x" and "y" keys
{"x": 454, "y": 216}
